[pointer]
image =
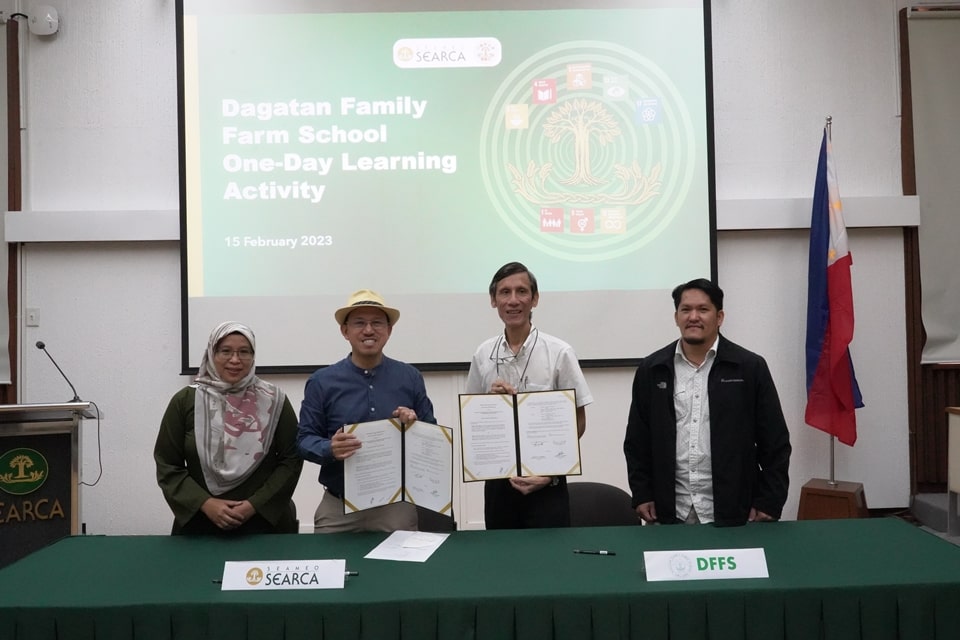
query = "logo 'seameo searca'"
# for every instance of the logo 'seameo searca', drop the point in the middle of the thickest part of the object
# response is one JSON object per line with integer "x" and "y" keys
{"x": 435, "y": 53}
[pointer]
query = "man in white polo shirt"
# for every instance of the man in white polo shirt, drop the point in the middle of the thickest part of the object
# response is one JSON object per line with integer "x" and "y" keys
{"x": 523, "y": 358}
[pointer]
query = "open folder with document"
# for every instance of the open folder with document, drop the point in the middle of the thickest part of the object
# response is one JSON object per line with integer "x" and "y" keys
{"x": 397, "y": 463}
{"x": 526, "y": 434}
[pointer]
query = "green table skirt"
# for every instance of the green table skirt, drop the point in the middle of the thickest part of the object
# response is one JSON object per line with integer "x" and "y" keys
{"x": 835, "y": 579}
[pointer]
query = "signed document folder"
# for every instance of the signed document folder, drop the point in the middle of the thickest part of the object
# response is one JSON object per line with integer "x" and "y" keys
{"x": 527, "y": 434}
{"x": 397, "y": 463}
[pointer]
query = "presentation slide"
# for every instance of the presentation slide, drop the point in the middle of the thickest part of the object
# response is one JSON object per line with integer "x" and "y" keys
{"x": 414, "y": 152}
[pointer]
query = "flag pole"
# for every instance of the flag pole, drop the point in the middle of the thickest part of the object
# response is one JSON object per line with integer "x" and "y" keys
{"x": 822, "y": 498}
{"x": 832, "y": 481}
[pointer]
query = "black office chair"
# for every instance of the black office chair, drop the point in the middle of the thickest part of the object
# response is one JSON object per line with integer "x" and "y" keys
{"x": 428, "y": 520}
{"x": 594, "y": 504}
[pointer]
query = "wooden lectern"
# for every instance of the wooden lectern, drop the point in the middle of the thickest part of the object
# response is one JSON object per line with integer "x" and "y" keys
{"x": 823, "y": 500}
{"x": 39, "y": 475}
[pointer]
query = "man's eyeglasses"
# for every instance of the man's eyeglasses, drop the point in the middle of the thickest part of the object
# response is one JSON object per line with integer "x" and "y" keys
{"x": 511, "y": 362}
{"x": 360, "y": 325}
{"x": 224, "y": 355}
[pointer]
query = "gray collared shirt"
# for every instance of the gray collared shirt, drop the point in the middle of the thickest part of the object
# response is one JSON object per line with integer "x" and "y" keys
{"x": 694, "y": 477}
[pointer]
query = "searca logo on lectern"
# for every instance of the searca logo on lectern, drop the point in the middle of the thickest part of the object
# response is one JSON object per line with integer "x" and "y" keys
{"x": 22, "y": 471}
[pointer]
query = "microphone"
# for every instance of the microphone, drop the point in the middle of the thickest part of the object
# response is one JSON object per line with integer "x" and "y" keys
{"x": 43, "y": 347}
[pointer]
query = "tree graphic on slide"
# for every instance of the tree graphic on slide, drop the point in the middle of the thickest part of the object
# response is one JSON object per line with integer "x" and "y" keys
{"x": 588, "y": 123}
{"x": 584, "y": 120}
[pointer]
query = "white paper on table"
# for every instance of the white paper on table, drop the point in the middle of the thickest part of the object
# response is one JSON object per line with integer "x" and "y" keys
{"x": 408, "y": 546}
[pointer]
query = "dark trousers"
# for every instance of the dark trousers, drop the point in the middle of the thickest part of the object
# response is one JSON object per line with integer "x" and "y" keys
{"x": 506, "y": 508}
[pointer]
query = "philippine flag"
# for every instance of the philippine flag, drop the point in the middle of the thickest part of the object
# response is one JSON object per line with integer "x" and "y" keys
{"x": 832, "y": 390}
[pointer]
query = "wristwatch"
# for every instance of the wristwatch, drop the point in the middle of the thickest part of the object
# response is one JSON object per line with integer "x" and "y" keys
{"x": 554, "y": 481}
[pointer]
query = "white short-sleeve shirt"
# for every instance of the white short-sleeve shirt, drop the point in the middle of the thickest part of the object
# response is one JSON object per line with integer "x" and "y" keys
{"x": 544, "y": 363}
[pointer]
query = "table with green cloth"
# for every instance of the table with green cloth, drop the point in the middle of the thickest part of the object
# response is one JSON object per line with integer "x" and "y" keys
{"x": 830, "y": 579}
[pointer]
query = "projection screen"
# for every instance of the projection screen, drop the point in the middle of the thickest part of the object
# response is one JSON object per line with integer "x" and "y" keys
{"x": 332, "y": 146}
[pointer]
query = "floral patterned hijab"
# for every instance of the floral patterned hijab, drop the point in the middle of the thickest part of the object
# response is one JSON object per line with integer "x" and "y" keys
{"x": 234, "y": 423}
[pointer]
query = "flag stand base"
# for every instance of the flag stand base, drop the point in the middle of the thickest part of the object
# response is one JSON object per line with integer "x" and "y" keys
{"x": 821, "y": 500}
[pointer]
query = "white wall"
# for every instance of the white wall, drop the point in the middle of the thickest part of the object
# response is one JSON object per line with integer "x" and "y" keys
{"x": 102, "y": 135}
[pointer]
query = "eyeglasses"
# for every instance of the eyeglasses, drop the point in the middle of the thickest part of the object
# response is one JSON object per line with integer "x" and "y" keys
{"x": 244, "y": 355}
{"x": 360, "y": 325}
{"x": 511, "y": 362}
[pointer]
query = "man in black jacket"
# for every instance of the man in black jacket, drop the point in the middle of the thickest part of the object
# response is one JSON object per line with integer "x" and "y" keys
{"x": 706, "y": 440}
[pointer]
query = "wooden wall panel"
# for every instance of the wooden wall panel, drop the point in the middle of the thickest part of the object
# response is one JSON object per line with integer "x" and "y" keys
{"x": 940, "y": 388}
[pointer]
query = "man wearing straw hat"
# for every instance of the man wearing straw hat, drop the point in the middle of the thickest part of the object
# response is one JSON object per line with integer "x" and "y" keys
{"x": 364, "y": 386}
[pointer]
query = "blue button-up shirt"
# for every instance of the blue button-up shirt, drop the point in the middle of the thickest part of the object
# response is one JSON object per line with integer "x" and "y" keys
{"x": 344, "y": 394}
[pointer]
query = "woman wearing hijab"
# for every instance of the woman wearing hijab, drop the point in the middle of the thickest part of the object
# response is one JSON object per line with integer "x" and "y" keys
{"x": 226, "y": 452}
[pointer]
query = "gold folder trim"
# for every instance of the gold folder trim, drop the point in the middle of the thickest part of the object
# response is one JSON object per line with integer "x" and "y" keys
{"x": 447, "y": 433}
{"x": 574, "y": 470}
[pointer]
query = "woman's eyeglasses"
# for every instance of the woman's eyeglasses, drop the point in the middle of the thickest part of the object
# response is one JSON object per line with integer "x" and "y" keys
{"x": 244, "y": 355}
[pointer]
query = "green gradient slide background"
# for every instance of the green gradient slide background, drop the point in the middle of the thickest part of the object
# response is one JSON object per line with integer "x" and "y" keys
{"x": 427, "y": 232}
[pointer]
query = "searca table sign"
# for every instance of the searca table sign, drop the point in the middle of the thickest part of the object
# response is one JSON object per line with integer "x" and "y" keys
{"x": 705, "y": 564}
{"x": 258, "y": 575}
